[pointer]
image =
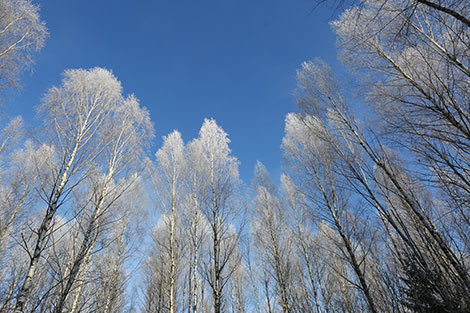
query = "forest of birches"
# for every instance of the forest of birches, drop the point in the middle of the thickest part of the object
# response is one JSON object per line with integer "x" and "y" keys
{"x": 371, "y": 213}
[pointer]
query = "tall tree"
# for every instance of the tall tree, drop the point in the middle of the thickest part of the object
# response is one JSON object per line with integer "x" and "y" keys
{"x": 21, "y": 34}
{"x": 169, "y": 183}
{"x": 77, "y": 117}
{"x": 220, "y": 171}
{"x": 125, "y": 137}
{"x": 308, "y": 151}
{"x": 418, "y": 58}
{"x": 272, "y": 237}
{"x": 400, "y": 197}
{"x": 194, "y": 223}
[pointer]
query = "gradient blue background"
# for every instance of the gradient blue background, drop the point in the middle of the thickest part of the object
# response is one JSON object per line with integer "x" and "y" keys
{"x": 234, "y": 61}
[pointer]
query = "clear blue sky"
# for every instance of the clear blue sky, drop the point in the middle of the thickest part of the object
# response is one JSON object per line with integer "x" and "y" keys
{"x": 234, "y": 61}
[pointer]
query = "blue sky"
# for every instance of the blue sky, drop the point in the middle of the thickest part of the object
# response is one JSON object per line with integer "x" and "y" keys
{"x": 234, "y": 61}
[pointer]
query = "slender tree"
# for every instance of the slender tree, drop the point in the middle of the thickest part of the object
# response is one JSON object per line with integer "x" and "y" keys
{"x": 220, "y": 171}
{"x": 125, "y": 137}
{"x": 272, "y": 237}
{"x": 74, "y": 116}
{"x": 21, "y": 34}
{"x": 169, "y": 181}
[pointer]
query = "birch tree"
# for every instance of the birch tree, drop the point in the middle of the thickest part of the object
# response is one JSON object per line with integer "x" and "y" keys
{"x": 125, "y": 136}
{"x": 383, "y": 179}
{"x": 194, "y": 223}
{"x": 423, "y": 98}
{"x": 303, "y": 225}
{"x": 273, "y": 238}
{"x": 310, "y": 155}
{"x": 21, "y": 34}
{"x": 418, "y": 58}
{"x": 75, "y": 115}
{"x": 220, "y": 171}
{"x": 169, "y": 181}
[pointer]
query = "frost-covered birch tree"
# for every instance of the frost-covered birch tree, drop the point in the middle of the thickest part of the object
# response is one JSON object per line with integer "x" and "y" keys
{"x": 195, "y": 224}
{"x": 416, "y": 79}
{"x": 397, "y": 179}
{"x": 21, "y": 34}
{"x": 273, "y": 240}
{"x": 125, "y": 136}
{"x": 169, "y": 181}
{"x": 219, "y": 207}
{"x": 87, "y": 122}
